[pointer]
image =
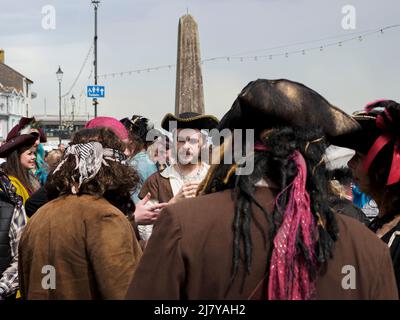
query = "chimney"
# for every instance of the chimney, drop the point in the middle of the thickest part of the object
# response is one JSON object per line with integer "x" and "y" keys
{"x": 1, "y": 56}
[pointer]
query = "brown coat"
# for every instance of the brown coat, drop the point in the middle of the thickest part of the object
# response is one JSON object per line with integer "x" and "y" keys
{"x": 90, "y": 244}
{"x": 158, "y": 186}
{"x": 189, "y": 255}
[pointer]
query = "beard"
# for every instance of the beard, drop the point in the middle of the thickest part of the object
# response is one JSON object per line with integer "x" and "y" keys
{"x": 187, "y": 157}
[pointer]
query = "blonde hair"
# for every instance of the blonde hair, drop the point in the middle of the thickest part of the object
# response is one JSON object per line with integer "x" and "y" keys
{"x": 338, "y": 189}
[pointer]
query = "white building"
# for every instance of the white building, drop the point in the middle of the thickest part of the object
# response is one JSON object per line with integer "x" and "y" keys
{"x": 15, "y": 97}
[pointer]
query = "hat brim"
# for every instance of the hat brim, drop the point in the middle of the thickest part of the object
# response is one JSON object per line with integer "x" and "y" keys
{"x": 200, "y": 122}
{"x": 362, "y": 139}
{"x": 265, "y": 104}
{"x": 13, "y": 144}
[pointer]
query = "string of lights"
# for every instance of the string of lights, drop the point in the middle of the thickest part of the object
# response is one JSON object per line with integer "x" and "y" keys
{"x": 66, "y": 98}
{"x": 82, "y": 94}
{"x": 341, "y": 40}
{"x": 79, "y": 73}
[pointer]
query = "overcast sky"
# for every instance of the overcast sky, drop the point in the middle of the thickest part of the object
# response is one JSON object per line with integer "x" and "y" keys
{"x": 135, "y": 34}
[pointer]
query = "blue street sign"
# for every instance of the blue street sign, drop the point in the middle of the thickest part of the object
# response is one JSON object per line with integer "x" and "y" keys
{"x": 95, "y": 91}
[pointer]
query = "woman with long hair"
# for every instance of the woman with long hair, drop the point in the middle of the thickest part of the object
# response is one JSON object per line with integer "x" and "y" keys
{"x": 138, "y": 127}
{"x": 20, "y": 153}
{"x": 269, "y": 232}
{"x": 38, "y": 174}
{"x": 83, "y": 234}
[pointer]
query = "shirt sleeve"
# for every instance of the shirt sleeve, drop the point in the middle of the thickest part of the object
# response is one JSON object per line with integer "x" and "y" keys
{"x": 35, "y": 201}
{"x": 9, "y": 281}
{"x": 161, "y": 271}
{"x": 114, "y": 253}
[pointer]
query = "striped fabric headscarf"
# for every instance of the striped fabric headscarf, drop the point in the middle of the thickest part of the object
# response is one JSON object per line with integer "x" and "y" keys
{"x": 89, "y": 158}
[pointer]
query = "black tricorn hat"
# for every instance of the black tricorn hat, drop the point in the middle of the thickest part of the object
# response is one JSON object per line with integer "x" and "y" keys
{"x": 190, "y": 120}
{"x": 361, "y": 140}
{"x": 138, "y": 126}
{"x": 264, "y": 104}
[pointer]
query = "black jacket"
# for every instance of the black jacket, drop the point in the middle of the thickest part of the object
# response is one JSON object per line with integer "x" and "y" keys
{"x": 35, "y": 201}
{"x": 6, "y": 213}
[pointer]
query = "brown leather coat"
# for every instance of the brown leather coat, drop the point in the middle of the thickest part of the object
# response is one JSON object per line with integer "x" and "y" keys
{"x": 189, "y": 256}
{"x": 90, "y": 244}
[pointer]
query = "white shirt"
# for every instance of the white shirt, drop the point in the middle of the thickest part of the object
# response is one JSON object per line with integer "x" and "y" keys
{"x": 176, "y": 181}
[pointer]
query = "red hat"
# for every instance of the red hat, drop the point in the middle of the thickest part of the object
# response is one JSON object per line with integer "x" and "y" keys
{"x": 116, "y": 126}
{"x": 23, "y": 123}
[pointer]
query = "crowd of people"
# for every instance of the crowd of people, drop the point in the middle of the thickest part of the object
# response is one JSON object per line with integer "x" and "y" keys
{"x": 129, "y": 211}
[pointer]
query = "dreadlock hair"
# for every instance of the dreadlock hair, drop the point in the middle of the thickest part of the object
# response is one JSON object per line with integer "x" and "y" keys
{"x": 279, "y": 167}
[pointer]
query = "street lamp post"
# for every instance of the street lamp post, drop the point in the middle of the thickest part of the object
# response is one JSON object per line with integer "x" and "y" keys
{"x": 96, "y": 5}
{"x": 59, "y": 74}
{"x": 72, "y": 113}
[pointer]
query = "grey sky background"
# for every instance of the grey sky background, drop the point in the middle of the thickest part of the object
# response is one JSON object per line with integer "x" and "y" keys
{"x": 143, "y": 33}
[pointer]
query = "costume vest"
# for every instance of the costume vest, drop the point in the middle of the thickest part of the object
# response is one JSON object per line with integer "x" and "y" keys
{"x": 6, "y": 213}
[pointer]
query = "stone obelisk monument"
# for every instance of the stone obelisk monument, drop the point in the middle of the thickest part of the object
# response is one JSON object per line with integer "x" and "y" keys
{"x": 189, "y": 95}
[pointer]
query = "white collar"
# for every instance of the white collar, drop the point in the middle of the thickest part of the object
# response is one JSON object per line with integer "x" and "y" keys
{"x": 175, "y": 179}
{"x": 170, "y": 172}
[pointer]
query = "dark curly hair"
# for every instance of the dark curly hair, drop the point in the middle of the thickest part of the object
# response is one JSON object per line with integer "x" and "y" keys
{"x": 114, "y": 182}
{"x": 138, "y": 128}
{"x": 277, "y": 165}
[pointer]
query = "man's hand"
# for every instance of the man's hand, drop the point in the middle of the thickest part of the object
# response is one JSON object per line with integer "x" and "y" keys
{"x": 146, "y": 213}
{"x": 188, "y": 190}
